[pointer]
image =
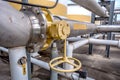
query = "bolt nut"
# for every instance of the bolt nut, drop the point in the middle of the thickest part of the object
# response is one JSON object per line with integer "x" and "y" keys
{"x": 22, "y": 61}
{"x": 42, "y": 23}
{"x": 42, "y": 36}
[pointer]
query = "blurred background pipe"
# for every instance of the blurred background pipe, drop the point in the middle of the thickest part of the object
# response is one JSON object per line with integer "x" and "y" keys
{"x": 108, "y": 28}
{"x": 93, "y": 6}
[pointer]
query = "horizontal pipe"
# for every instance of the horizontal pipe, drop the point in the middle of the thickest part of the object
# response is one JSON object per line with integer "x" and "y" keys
{"x": 15, "y": 27}
{"x": 74, "y": 38}
{"x": 116, "y": 12}
{"x": 40, "y": 63}
{"x": 80, "y": 28}
{"x": 18, "y": 31}
{"x": 79, "y": 43}
{"x": 97, "y": 36}
{"x": 104, "y": 42}
{"x": 117, "y": 9}
{"x": 116, "y": 33}
{"x": 4, "y": 49}
{"x": 83, "y": 42}
{"x": 108, "y": 28}
{"x": 93, "y": 6}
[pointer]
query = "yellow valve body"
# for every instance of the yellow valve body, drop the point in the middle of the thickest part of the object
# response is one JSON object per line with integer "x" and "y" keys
{"x": 59, "y": 30}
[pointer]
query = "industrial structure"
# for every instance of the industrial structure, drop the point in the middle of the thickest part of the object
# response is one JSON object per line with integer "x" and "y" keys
{"x": 28, "y": 27}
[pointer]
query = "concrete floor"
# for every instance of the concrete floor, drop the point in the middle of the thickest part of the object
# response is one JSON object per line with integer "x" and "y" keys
{"x": 97, "y": 66}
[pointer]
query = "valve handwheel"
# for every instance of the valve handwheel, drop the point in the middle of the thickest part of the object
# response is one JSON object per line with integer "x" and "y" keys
{"x": 69, "y": 60}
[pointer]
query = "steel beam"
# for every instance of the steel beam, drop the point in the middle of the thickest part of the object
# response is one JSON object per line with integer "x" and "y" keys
{"x": 112, "y": 5}
{"x": 90, "y": 45}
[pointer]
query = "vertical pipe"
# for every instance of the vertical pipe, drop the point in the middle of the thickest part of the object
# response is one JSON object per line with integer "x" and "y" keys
{"x": 115, "y": 19}
{"x": 113, "y": 36}
{"x": 54, "y": 54}
{"x": 112, "y": 4}
{"x": 18, "y": 71}
{"x": 29, "y": 65}
{"x": 69, "y": 53}
{"x": 91, "y": 45}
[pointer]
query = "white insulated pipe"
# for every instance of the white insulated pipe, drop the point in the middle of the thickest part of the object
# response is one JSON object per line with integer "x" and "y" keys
{"x": 116, "y": 12}
{"x": 83, "y": 42}
{"x": 4, "y": 49}
{"x": 93, "y": 6}
{"x": 74, "y": 38}
{"x": 18, "y": 71}
{"x": 79, "y": 43}
{"x": 40, "y": 63}
{"x": 54, "y": 54}
{"x": 104, "y": 42}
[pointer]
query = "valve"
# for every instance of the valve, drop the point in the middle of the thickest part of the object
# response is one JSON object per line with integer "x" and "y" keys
{"x": 56, "y": 30}
{"x": 69, "y": 60}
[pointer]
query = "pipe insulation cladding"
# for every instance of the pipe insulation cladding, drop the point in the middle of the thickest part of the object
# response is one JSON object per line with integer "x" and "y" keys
{"x": 93, "y": 6}
{"x": 15, "y": 26}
